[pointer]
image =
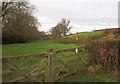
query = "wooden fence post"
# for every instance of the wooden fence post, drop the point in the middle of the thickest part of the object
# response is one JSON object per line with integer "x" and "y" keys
{"x": 50, "y": 66}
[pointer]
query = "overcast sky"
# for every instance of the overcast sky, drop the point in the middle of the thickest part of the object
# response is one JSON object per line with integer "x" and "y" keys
{"x": 85, "y": 15}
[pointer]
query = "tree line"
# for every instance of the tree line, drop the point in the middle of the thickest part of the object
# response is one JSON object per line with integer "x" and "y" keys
{"x": 19, "y": 24}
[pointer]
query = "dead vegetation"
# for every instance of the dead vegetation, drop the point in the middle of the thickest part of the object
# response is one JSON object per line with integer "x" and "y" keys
{"x": 104, "y": 51}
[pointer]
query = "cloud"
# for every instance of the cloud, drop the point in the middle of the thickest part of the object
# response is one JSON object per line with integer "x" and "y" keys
{"x": 81, "y": 13}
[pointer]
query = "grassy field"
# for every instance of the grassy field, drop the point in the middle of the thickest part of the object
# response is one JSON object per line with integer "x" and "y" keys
{"x": 87, "y": 34}
{"x": 33, "y": 48}
{"x": 43, "y": 46}
{"x": 85, "y": 76}
{"x": 75, "y": 64}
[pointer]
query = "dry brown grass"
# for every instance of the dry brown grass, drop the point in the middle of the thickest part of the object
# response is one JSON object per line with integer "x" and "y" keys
{"x": 94, "y": 68}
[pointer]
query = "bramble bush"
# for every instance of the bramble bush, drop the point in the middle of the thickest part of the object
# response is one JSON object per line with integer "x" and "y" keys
{"x": 104, "y": 51}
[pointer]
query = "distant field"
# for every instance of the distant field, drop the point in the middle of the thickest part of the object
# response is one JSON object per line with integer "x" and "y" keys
{"x": 33, "y": 48}
{"x": 87, "y": 34}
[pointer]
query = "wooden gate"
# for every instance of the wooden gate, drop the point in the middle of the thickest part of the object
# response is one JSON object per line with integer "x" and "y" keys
{"x": 54, "y": 66}
{"x": 63, "y": 64}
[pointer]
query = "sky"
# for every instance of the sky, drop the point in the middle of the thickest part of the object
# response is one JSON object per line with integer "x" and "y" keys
{"x": 85, "y": 15}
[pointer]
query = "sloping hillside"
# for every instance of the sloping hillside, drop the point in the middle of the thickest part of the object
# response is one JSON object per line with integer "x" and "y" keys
{"x": 86, "y": 34}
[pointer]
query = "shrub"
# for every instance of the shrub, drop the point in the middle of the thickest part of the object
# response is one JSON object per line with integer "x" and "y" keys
{"x": 104, "y": 51}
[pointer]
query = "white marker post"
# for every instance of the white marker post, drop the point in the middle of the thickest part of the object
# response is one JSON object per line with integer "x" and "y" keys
{"x": 76, "y": 50}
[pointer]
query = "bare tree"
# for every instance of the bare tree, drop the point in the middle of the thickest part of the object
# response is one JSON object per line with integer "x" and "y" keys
{"x": 61, "y": 29}
{"x": 19, "y": 24}
{"x": 65, "y": 26}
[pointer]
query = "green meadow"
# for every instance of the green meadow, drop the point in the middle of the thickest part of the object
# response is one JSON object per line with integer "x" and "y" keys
{"x": 87, "y": 34}
{"x": 37, "y": 47}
